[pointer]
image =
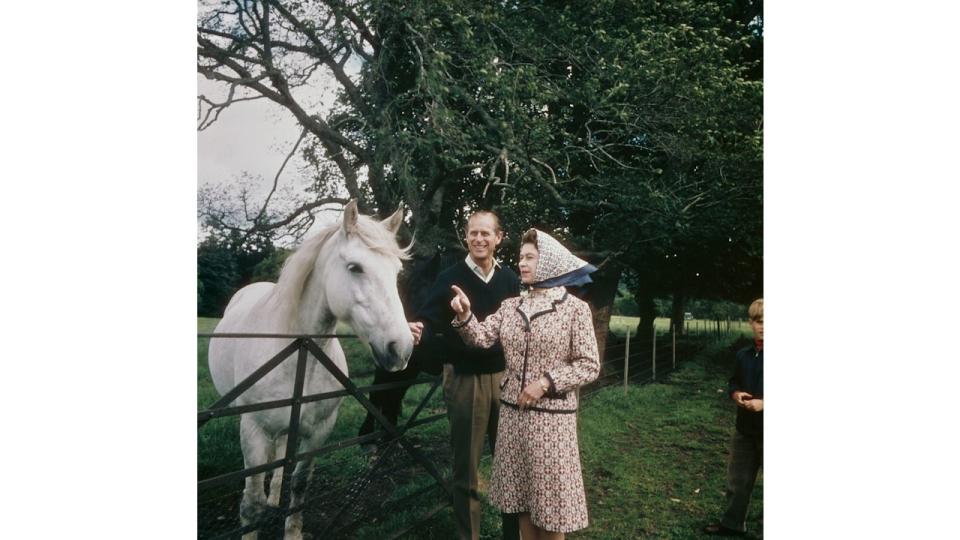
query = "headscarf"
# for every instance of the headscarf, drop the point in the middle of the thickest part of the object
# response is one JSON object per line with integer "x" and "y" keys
{"x": 556, "y": 266}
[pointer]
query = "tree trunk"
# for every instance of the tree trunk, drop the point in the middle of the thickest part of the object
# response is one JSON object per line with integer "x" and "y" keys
{"x": 677, "y": 311}
{"x": 648, "y": 313}
{"x": 603, "y": 292}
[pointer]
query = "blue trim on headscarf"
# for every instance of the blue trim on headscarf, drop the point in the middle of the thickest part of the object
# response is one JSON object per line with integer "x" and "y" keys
{"x": 574, "y": 278}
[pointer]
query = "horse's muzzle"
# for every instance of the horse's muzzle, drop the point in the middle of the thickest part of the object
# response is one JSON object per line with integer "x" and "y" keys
{"x": 395, "y": 357}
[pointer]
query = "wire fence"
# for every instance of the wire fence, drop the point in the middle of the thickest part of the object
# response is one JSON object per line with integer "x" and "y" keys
{"x": 633, "y": 359}
{"x": 352, "y": 487}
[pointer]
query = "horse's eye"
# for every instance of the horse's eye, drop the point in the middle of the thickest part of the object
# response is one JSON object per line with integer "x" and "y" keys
{"x": 355, "y": 268}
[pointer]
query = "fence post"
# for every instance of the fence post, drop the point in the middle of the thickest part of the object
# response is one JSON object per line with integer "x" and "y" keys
{"x": 626, "y": 362}
{"x": 293, "y": 434}
{"x": 673, "y": 347}
{"x": 654, "y": 349}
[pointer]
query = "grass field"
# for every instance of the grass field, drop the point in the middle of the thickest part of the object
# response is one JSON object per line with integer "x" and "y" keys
{"x": 619, "y": 325}
{"x": 654, "y": 458}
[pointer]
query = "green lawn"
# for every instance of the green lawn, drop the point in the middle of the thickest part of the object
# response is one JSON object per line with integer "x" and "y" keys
{"x": 654, "y": 458}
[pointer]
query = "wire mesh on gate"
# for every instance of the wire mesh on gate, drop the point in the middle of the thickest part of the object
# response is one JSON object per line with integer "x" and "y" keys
{"x": 335, "y": 500}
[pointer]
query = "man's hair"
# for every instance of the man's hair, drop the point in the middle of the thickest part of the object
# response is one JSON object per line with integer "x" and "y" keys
{"x": 529, "y": 237}
{"x": 756, "y": 310}
{"x": 496, "y": 219}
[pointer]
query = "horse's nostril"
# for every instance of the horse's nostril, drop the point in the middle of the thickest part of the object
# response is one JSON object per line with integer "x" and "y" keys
{"x": 393, "y": 348}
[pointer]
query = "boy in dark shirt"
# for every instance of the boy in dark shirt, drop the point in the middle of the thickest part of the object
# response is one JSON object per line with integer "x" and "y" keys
{"x": 746, "y": 450}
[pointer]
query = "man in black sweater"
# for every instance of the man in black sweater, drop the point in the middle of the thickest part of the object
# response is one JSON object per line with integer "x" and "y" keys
{"x": 746, "y": 448}
{"x": 471, "y": 376}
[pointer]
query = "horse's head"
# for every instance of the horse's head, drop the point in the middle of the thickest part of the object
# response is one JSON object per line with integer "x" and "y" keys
{"x": 360, "y": 285}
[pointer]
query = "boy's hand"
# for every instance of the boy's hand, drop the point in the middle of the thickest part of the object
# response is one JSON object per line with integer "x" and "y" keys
{"x": 741, "y": 398}
{"x": 755, "y": 405}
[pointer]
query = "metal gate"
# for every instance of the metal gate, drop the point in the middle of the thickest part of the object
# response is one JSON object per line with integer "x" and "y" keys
{"x": 393, "y": 438}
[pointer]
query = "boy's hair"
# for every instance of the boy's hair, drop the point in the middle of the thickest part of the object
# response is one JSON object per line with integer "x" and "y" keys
{"x": 756, "y": 310}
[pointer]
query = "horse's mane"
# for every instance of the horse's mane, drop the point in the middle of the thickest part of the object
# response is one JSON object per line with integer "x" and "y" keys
{"x": 286, "y": 295}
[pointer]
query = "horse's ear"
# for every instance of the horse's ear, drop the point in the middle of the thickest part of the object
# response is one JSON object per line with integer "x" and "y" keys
{"x": 350, "y": 217}
{"x": 393, "y": 222}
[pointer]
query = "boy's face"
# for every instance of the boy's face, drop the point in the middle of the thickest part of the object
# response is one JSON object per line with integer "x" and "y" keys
{"x": 757, "y": 326}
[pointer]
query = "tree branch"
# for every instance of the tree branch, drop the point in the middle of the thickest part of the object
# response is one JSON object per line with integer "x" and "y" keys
{"x": 276, "y": 179}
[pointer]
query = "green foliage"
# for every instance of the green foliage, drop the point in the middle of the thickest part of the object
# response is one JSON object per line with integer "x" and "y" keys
{"x": 227, "y": 262}
{"x": 217, "y": 277}
{"x": 625, "y": 306}
{"x": 269, "y": 268}
{"x": 717, "y": 309}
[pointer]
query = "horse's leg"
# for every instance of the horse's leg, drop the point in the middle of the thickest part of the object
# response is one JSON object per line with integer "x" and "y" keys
{"x": 293, "y": 528}
{"x": 280, "y": 451}
{"x": 255, "y": 445}
{"x": 303, "y": 473}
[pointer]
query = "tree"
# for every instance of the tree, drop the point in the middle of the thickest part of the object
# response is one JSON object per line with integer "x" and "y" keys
{"x": 630, "y": 130}
{"x": 216, "y": 278}
{"x": 227, "y": 262}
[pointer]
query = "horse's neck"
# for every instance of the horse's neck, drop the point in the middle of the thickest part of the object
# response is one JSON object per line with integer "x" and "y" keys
{"x": 314, "y": 316}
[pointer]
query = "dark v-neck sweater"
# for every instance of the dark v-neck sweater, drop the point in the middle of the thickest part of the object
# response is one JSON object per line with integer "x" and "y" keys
{"x": 440, "y": 341}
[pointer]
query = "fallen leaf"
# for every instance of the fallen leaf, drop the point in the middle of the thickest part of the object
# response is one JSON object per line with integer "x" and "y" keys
{"x": 696, "y": 490}
{"x": 674, "y": 500}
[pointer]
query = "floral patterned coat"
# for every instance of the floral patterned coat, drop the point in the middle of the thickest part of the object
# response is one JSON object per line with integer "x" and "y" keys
{"x": 551, "y": 335}
{"x": 536, "y": 463}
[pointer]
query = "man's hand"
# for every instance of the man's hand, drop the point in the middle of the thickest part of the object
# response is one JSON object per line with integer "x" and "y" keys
{"x": 460, "y": 304}
{"x": 741, "y": 398}
{"x": 416, "y": 330}
{"x": 530, "y": 395}
{"x": 755, "y": 405}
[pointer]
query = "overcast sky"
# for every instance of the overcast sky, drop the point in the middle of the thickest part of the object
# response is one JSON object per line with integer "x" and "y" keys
{"x": 254, "y": 137}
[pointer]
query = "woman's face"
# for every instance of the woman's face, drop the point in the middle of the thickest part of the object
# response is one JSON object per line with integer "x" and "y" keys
{"x": 528, "y": 263}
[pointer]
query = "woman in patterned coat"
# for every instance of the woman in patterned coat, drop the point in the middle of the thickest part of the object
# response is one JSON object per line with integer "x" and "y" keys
{"x": 550, "y": 348}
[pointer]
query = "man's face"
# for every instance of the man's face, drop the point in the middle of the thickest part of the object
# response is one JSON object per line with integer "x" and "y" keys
{"x": 757, "y": 327}
{"x": 482, "y": 237}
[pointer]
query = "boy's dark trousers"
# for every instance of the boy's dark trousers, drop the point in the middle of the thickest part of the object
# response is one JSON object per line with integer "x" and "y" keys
{"x": 746, "y": 456}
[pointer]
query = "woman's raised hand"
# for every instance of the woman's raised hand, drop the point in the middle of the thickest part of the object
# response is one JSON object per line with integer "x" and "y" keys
{"x": 460, "y": 304}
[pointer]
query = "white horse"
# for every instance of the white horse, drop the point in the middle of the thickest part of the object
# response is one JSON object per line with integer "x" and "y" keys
{"x": 347, "y": 272}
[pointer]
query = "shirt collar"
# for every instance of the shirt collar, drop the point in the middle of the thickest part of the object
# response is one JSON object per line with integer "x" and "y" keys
{"x": 479, "y": 272}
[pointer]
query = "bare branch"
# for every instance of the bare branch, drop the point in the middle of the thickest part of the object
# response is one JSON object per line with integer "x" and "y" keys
{"x": 314, "y": 123}
{"x": 276, "y": 179}
{"x": 216, "y": 108}
{"x": 326, "y": 56}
